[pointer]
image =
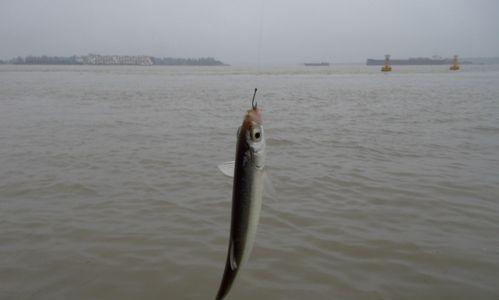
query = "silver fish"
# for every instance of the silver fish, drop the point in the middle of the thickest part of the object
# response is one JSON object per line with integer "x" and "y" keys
{"x": 246, "y": 196}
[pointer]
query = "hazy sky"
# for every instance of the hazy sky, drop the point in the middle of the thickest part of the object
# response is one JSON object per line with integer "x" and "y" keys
{"x": 230, "y": 30}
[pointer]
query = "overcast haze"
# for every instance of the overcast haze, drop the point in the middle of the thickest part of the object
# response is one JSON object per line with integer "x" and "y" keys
{"x": 291, "y": 31}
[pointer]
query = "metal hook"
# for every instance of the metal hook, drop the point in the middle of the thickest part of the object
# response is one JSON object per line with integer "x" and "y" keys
{"x": 253, "y": 102}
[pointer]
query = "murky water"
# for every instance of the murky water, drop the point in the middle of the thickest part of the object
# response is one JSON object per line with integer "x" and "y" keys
{"x": 387, "y": 184}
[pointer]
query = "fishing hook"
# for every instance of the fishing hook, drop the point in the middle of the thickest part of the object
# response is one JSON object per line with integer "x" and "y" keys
{"x": 253, "y": 102}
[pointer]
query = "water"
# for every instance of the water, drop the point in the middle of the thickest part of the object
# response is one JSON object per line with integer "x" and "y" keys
{"x": 387, "y": 184}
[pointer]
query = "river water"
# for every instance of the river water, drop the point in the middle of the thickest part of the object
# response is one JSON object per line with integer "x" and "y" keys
{"x": 386, "y": 185}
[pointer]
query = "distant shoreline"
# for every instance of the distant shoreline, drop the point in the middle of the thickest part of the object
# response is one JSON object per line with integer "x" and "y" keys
{"x": 113, "y": 60}
{"x": 414, "y": 61}
{"x": 435, "y": 61}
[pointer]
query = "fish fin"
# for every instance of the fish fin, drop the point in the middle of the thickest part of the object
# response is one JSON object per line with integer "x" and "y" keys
{"x": 232, "y": 259}
{"x": 268, "y": 186}
{"x": 230, "y": 272}
{"x": 227, "y": 168}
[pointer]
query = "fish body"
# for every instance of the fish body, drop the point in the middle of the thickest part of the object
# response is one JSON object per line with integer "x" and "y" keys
{"x": 246, "y": 196}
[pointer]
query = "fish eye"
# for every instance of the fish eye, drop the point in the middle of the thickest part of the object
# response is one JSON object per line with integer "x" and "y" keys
{"x": 256, "y": 134}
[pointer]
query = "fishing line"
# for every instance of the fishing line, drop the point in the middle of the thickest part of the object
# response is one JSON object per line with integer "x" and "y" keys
{"x": 259, "y": 51}
{"x": 260, "y": 37}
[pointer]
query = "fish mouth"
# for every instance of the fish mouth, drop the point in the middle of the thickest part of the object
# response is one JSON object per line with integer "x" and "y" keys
{"x": 252, "y": 116}
{"x": 253, "y": 119}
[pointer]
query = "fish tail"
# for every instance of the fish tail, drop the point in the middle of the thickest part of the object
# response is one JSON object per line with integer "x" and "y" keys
{"x": 227, "y": 280}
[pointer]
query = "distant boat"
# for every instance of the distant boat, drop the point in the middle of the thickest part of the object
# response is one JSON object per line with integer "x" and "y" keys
{"x": 413, "y": 61}
{"x": 321, "y": 64}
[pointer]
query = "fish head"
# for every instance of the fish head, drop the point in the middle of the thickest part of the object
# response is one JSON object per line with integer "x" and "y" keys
{"x": 252, "y": 136}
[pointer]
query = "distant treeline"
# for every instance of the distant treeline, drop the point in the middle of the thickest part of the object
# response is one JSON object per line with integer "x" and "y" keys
{"x": 79, "y": 60}
{"x": 46, "y": 60}
{"x": 170, "y": 61}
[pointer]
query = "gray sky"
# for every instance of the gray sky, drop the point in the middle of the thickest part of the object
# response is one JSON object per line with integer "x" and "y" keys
{"x": 230, "y": 30}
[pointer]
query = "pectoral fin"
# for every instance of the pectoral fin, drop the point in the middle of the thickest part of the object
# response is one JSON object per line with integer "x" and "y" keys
{"x": 227, "y": 168}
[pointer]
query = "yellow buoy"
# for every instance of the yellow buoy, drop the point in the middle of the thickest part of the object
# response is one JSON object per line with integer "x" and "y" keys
{"x": 386, "y": 67}
{"x": 455, "y": 64}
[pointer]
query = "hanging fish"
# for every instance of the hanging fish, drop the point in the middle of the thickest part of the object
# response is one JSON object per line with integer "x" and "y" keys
{"x": 248, "y": 173}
